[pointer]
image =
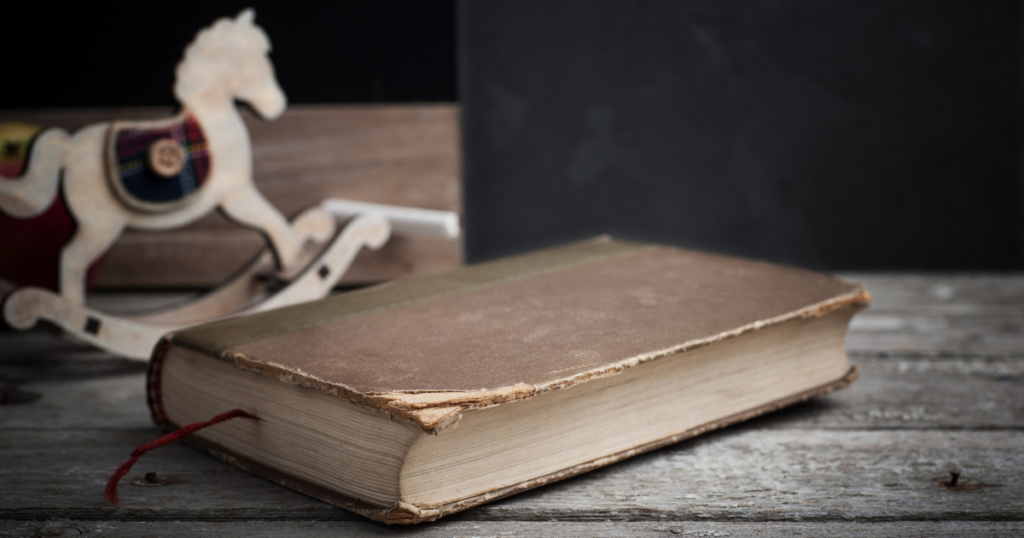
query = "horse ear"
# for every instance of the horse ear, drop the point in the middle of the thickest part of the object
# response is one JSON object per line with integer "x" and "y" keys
{"x": 247, "y": 16}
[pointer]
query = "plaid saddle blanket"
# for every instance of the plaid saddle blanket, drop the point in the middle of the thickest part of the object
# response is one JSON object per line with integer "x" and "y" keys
{"x": 130, "y": 152}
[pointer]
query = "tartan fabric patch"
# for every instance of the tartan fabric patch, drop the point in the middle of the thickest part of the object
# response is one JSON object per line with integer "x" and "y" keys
{"x": 132, "y": 148}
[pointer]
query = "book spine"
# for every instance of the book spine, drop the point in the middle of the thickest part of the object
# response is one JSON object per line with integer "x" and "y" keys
{"x": 153, "y": 376}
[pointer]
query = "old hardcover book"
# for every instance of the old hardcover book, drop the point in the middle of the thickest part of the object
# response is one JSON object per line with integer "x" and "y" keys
{"x": 419, "y": 398}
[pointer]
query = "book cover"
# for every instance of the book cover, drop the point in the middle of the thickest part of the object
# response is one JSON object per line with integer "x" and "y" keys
{"x": 428, "y": 351}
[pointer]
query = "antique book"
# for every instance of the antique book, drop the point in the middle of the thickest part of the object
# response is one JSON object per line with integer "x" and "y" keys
{"x": 418, "y": 398}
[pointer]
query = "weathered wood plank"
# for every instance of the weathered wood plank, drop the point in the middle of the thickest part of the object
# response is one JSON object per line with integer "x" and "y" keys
{"x": 988, "y": 332}
{"x": 560, "y": 529}
{"x": 740, "y": 474}
{"x": 873, "y": 452}
{"x": 97, "y": 392}
{"x": 913, "y": 314}
{"x": 916, "y": 290}
{"x": 115, "y": 399}
{"x": 389, "y": 154}
{"x": 805, "y": 475}
{"x": 922, "y": 393}
{"x": 64, "y": 472}
{"x": 144, "y": 260}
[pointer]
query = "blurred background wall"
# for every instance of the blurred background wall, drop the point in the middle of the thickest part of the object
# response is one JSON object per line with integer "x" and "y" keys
{"x": 87, "y": 54}
{"x": 831, "y": 134}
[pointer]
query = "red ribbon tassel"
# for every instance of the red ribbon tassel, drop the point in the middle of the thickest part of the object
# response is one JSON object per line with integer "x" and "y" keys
{"x": 110, "y": 494}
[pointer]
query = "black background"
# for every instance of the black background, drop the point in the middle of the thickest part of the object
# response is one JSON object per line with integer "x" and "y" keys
{"x": 837, "y": 135}
{"x": 78, "y": 54}
{"x": 830, "y": 134}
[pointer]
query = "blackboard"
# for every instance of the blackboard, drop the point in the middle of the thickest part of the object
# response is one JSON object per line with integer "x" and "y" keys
{"x": 834, "y": 135}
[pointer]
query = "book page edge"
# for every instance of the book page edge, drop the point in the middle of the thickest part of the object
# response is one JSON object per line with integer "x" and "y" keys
{"x": 433, "y": 411}
{"x": 404, "y": 513}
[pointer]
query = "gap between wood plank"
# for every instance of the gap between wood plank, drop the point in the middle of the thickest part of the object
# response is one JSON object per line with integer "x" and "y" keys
{"x": 447, "y": 528}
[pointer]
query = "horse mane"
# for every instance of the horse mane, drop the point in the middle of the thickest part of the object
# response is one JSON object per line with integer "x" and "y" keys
{"x": 214, "y": 48}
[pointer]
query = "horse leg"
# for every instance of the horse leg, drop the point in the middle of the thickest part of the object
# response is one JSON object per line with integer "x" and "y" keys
{"x": 249, "y": 208}
{"x": 88, "y": 244}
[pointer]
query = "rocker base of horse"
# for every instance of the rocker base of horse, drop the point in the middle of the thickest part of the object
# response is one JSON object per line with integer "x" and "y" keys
{"x": 247, "y": 292}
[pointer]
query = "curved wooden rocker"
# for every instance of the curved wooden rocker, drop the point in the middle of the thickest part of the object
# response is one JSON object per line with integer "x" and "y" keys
{"x": 164, "y": 174}
{"x": 247, "y": 292}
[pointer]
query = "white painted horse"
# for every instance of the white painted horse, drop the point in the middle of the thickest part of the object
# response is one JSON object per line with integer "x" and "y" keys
{"x": 206, "y": 159}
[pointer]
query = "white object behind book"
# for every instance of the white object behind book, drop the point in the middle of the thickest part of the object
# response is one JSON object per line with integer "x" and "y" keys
{"x": 157, "y": 175}
{"x": 404, "y": 220}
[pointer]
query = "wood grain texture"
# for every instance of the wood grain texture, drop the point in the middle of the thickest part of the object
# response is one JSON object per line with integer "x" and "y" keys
{"x": 936, "y": 315}
{"x": 866, "y": 460}
{"x": 744, "y": 473}
{"x": 390, "y": 154}
{"x": 93, "y": 391}
{"x": 448, "y": 528}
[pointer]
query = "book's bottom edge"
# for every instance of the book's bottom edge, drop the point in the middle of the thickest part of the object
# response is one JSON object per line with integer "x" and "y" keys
{"x": 404, "y": 513}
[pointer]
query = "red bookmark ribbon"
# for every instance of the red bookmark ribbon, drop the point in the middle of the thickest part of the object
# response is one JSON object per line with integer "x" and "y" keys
{"x": 110, "y": 494}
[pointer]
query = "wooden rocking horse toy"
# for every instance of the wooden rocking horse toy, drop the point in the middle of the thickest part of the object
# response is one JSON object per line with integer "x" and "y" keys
{"x": 156, "y": 175}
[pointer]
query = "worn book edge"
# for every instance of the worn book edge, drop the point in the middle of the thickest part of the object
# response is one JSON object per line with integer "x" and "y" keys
{"x": 405, "y": 513}
{"x": 433, "y": 411}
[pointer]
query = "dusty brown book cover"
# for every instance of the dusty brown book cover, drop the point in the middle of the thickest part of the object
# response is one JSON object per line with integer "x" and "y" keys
{"x": 427, "y": 349}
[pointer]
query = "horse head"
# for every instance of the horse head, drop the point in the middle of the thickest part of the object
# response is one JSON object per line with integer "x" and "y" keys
{"x": 228, "y": 61}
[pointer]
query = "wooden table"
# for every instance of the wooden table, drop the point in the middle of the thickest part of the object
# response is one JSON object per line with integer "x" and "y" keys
{"x": 942, "y": 386}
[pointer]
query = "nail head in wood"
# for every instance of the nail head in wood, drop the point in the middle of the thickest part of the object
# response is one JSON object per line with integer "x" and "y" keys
{"x": 954, "y": 477}
{"x": 166, "y": 157}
